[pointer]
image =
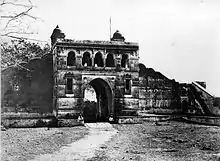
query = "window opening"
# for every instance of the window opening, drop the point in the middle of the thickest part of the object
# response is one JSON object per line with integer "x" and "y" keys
{"x": 71, "y": 60}
{"x": 110, "y": 61}
{"x": 99, "y": 60}
{"x": 124, "y": 61}
{"x": 69, "y": 86}
{"x": 127, "y": 86}
{"x": 86, "y": 60}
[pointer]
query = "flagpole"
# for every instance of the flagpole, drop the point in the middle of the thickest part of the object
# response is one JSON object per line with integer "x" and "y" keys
{"x": 110, "y": 28}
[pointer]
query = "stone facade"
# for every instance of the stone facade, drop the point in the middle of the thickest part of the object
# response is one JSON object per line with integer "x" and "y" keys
{"x": 110, "y": 67}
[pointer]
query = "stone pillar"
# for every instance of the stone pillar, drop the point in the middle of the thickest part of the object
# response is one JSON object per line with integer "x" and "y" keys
{"x": 104, "y": 60}
{"x": 98, "y": 97}
{"x": 99, "y": 109}
{"x": 55, "y": 108}
{"x": 93, "y": 60}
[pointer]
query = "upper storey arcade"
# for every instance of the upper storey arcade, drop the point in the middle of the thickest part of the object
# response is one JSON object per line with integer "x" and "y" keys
{"x": 94, "y": 55}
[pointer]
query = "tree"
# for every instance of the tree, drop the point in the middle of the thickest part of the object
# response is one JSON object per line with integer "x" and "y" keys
{"x": 18, "y": 51}
{"x": 21, "y": 82}
{"x": 16, "y": 18}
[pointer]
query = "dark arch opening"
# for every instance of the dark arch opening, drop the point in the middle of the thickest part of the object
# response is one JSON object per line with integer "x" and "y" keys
{"x": 104, "y": 106}
{"x": 184, "y": 106}
{"x": 71, "y": 59}
{"x": 98, "y": 60}
{"x": 110, "y": 61}
{"x": 124, "y": 60}
{"x": 86, "y": 60}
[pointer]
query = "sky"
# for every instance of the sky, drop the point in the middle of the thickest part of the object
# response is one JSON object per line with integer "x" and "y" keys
{"x": 179, "y": 38}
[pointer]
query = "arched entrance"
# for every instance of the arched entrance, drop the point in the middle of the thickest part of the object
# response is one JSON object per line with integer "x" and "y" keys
{"x": 103, "y": 108}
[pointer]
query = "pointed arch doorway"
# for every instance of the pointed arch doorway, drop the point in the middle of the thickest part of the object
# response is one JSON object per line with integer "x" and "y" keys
{"x": 103, "y": 107}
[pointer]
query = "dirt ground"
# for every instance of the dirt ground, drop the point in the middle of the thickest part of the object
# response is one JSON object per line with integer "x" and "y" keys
{"x": 169, "y": 141}
{"x": 99, "y": 134}
{"x": 20, "y": 144}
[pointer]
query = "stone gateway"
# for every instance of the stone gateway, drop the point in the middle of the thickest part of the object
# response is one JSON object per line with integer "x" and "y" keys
{"x": 109, "y": 67}
{"x": 96, "y": 81}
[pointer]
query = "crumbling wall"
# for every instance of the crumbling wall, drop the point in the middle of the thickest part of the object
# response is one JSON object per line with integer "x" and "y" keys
{"x": 28, "y": 87}
{"x": 158, "y": 94}
{"x": 199, "y": 101}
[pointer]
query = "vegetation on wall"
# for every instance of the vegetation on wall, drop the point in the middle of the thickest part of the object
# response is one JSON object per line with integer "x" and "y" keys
{"x": 26, "y": 77}
{"x": 15, "y": 52}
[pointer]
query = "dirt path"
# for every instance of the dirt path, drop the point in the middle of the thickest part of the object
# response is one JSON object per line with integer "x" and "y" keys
{"x": 85, "y": 148}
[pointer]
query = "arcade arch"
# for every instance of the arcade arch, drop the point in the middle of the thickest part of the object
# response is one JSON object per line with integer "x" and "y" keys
{"x": 98, "y": 60}
{"x": 86, "y": 60}
{"x": 110, "y": 61}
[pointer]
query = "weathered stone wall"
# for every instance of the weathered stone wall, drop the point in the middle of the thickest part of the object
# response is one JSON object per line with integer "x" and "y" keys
{"x": 68, "y": 103}
{"x": 197, "y": 101}
{"x": 217, "y": 102}
{"x": 12, "y": 120}
{"x": 158, "y": 94}
{"x": 126, "y": 102}
{"x": 28, "y": 87}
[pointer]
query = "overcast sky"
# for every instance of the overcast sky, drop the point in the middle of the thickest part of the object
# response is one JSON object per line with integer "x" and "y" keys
{"x": 179, "y": 38}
